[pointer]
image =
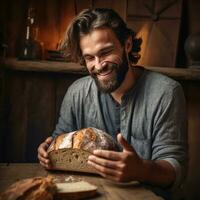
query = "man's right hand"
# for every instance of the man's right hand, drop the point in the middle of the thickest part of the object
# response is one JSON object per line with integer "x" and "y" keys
{"x": 42, "y": 153}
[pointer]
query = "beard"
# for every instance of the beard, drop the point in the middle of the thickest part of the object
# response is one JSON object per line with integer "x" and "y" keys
{"x": 119, "y": 71}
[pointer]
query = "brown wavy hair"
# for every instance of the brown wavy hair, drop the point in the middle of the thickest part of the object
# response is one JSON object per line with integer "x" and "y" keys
{"x": 90, "y": 19}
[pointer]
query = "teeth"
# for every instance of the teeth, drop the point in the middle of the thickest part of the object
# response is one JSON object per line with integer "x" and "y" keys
{"x": 105, "y": 73}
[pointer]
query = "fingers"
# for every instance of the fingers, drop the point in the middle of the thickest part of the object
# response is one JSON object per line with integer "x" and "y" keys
{"x": 49, "y": 140}
{"x": 111, "y": 155}
{"x": 112, "y": 170}
{"x": 105, "y": 171}
{"x": 44, "y": 162}
{"x": 108, "y": 173}
{"x": 124, "y": 143}
{"x": 45, "y": 165}
{"x": 103, "y": 162}
{"x": 42, "y": 149}
{"x": 43, "y": 155}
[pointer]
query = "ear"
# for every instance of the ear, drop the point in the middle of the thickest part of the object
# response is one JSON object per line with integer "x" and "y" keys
{"x": 128, "y": 44}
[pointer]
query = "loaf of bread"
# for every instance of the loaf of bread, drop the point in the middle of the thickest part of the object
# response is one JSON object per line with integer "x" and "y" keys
{"x": 46, "y": 188}
{"x": 38, "y": 188}
{"x": 70, "y": 151}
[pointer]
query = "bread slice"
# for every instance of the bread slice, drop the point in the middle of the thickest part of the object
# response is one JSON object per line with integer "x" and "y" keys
{"x": 75, "y": 190}
{"x": 71, "y": 160}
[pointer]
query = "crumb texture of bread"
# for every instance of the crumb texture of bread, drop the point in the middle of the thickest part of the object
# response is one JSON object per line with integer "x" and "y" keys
{"x": 80, "y": 186}
{"x": 76, "y": 190}
{"x": 71, "y": 160}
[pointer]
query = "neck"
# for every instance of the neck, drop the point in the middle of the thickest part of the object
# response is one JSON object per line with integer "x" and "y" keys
{"x": 127, "y": 84}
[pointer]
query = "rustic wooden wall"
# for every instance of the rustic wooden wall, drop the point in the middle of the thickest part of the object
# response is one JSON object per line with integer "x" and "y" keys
{"x": 192, "y": 91}
{"x": 32, "y": 107}
{"x": 2, "y": 111}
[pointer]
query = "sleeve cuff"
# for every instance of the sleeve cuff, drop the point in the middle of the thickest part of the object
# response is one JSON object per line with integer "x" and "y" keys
{"x": 178, "y": 171}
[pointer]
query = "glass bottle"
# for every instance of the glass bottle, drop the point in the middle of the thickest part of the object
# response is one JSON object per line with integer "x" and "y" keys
{"x": 31, "y": 48}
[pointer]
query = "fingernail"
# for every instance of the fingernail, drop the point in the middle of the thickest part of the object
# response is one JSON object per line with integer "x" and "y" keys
{"x": 90, "y": 157}
{"x": 95, "y": 151}
{"x": 89, "y": 162}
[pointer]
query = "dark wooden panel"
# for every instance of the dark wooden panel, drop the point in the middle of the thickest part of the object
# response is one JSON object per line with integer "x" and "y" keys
{"x": 16, "y": 111}
{"x": 118, "y": 5}
{"x": 193, "y": 8}
{"x": 12, "y": 21}
{"x": 140, "y": 8}
{"x": 2, "y": 111}
{"x": 40, "y": 111}
{"x": 83, "y": 4}
{"x": 191, "y": 187}
{"x": 32, "y": 105}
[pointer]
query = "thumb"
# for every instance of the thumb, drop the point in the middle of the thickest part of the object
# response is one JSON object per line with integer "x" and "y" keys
{"x": 124, "y": 143}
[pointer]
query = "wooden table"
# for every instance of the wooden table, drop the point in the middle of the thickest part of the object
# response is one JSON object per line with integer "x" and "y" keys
{"x": 9, "y": 173}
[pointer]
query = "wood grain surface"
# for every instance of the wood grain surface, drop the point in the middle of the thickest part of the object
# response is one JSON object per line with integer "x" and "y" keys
{"x": 106, "y": 190}
{"x": 192, "y": 73}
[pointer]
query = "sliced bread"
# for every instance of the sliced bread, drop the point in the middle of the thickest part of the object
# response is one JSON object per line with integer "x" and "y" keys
{"x": 75, "y": 190}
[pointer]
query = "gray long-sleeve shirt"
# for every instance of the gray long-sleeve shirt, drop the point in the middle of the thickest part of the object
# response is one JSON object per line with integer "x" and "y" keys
{"x": 151, "y": 117}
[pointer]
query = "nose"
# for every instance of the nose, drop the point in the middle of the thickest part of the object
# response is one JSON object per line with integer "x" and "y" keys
{"x": 98, "y": 64}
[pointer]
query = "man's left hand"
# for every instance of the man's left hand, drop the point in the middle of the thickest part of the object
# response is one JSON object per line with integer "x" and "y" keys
{"x": 118, "y": 166}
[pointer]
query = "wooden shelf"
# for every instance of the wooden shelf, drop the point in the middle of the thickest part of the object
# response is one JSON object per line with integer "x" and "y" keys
{"x": 44, "y": 66}
{"x": 69, "y": 67}
{"x": 178, "y": 73}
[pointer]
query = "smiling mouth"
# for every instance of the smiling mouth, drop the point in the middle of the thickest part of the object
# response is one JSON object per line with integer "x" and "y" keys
{"x": 106, "y": 73}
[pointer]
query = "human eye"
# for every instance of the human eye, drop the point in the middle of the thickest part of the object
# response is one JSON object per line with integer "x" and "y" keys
{"x": 88, "y": 58}
{"x": 106, "y": 52}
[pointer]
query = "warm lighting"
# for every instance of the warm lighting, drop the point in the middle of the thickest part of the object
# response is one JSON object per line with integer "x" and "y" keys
{"x": 144, "y": 33}
{"x": 54, "y": 28}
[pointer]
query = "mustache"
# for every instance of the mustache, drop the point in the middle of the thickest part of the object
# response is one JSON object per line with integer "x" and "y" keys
{"x": 106, "y": 66}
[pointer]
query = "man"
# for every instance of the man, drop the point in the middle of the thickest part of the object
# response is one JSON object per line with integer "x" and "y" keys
{"x": 146, "y": 108}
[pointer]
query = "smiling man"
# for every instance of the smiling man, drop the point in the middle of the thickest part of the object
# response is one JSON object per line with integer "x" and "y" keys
{"x": 144, "y": 111}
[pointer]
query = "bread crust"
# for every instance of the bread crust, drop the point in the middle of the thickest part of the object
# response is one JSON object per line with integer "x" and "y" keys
{"x": 36, "y": 188}
{"x": 83, "y": 137}
{"x": 87, "y": 139}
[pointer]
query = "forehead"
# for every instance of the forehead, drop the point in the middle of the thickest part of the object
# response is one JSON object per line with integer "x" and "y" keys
{"x": 97, "y": 40}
